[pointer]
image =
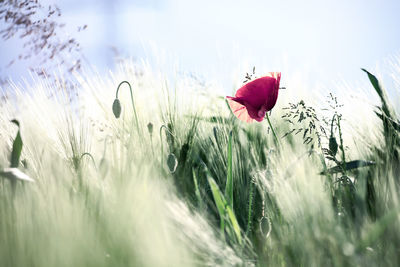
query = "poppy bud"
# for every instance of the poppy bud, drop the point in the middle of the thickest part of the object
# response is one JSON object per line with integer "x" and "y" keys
{"x": 333, "y": 146}
{"x": 150, "y": 128}
{"x": 172, "y": 162}
{"x": 116, "y": 107}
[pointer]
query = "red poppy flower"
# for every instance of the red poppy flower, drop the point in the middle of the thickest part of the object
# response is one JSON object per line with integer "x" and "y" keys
{"x": 255, "y": 98}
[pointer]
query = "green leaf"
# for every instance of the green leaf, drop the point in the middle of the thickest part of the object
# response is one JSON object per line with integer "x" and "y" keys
{"x": 229, "y": 176}
{"x": 374, "y": 81}
{"x": 389, "y": 117}
{"x": 197, "y": 191}
{"x": 381, "y": 92}
{"x": 394, "y": 124}
{"x": 224, "y": 209}
{"x": 16, "y": 148}
{"x": 234, "y": 223}
{"x": 354, "y": 164}
{"x": 218, "y": 199}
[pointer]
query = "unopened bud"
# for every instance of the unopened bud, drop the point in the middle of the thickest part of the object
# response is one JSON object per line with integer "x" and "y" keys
{"x": 116, "y": 107}
{"x": 150, "y": 128}
{"x": 333, "y": 146}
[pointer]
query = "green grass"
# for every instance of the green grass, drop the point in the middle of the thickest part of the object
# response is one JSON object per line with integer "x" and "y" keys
{"x": 177, "y": 180}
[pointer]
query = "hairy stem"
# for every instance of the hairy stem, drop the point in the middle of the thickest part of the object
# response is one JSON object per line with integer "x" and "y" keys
{"x": 272, "y": 129}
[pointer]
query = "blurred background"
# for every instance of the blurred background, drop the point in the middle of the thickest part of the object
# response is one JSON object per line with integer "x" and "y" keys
{"x": 321, "y": 41}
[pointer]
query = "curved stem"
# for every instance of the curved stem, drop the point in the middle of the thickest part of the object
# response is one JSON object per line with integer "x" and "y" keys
{"x": 272, "y": 129}
{"x": 89, "y": 155}
{"x": 133, "y": 103}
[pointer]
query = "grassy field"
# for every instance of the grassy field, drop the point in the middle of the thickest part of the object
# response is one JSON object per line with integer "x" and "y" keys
{"x": 177, "y": 180}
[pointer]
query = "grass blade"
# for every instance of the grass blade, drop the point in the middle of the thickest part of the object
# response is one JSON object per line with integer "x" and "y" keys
{"x": 394, "y": 124}
{"x": 224, "y": 209}
{"x": 229, "y": 178}
{"x": 197, "y": 191}
{"x": 16, "y": 148}
{"x": 350, "y": 165}
{"x": 381, "y": 92}
{"x": 234, "y": 223}
{"x": 218, "y": 199}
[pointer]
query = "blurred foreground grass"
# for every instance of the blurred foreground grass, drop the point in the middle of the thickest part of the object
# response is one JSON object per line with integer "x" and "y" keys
{"x": 179, "y": 181}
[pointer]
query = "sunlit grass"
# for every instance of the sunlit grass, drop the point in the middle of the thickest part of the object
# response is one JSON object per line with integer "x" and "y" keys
{"x": 176, "y": 180}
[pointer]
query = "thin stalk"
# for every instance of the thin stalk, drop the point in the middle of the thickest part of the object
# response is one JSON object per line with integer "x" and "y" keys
{"x": 90, "y": 156}
{"x": 151, "y": 144}
{"x": 333, "y": 120}
{"x": 133, "y": 103}
{"x": 272, "y": 129}
{"x": 341, "y": 144}
{"x": 250, "y": 215}
{"x": 162, "y": 146}
{"x": 229, "y": 177}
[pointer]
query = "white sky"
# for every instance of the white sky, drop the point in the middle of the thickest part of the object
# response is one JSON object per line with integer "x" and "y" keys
{"x": 322, "y": 39}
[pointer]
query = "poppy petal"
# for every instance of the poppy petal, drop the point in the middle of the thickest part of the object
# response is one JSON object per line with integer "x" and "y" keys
{"x": 257, "y": 92}
{"x": 239, "y": 110}
{"x": 273, "y": 97}
{"x": 256, "y": 97}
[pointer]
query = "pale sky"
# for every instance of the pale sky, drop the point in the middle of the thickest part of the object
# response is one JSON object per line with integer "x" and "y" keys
{"x": 326, "y": 40}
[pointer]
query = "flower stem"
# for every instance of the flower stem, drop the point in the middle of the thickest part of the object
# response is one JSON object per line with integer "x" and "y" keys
{"x": 272, "y": 129}
{"x": 133, "y": 103}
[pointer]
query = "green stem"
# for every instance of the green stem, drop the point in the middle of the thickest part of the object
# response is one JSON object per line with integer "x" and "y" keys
{"x": 341, "y": 145}
{"x": 133, "y": 103}
{"x": 333, "y": 120}
{"x": 162, "y": 152}
{"x": 249, "y": 214}
{"x": 89, "y": 155}
{"x": 151, "y": 144}
{"x": 272, "y": 129}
